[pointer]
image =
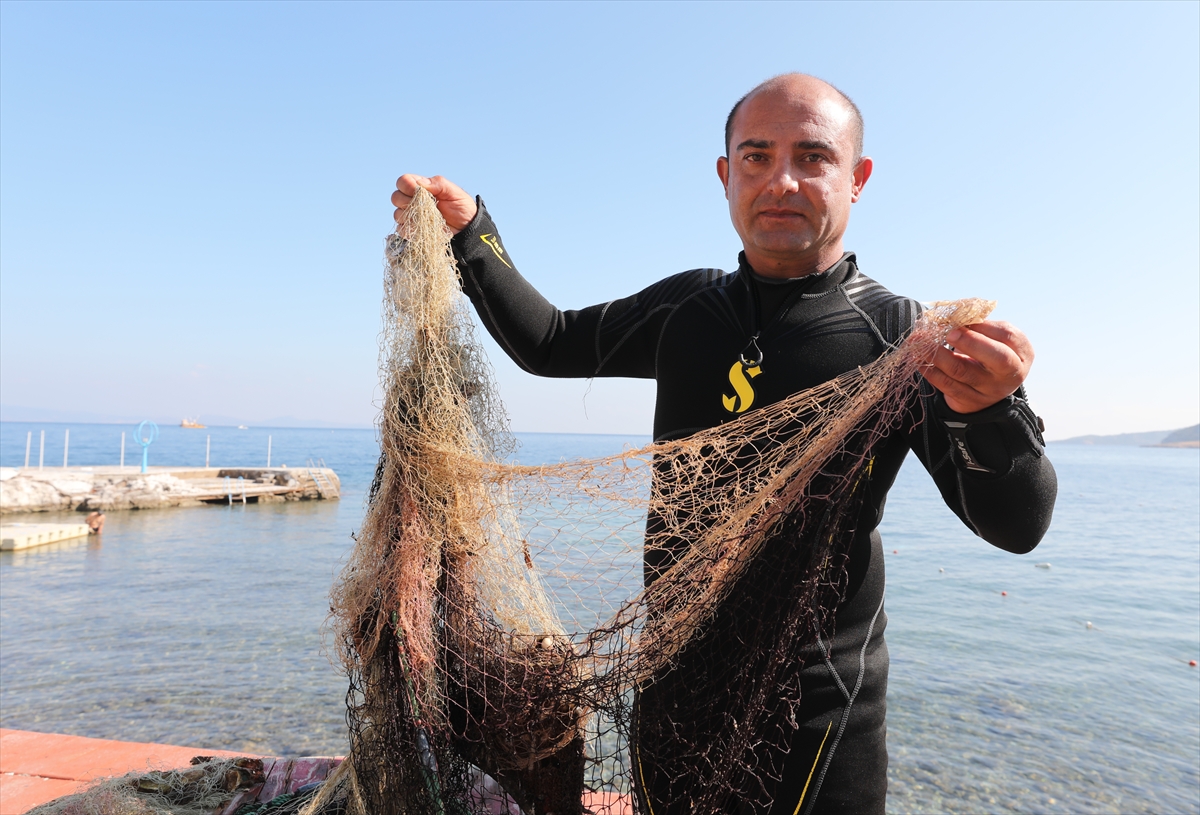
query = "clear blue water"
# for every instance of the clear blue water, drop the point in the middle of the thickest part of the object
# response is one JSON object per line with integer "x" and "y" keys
{"x": 201, "y": 626}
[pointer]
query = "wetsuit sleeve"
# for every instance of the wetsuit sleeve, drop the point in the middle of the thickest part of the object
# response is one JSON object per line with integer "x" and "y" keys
{"x": 539, "y": 337}
{"x": 990, "y": 467}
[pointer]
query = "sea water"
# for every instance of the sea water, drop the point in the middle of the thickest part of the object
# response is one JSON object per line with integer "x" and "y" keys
{"x": 1014, "y": 687}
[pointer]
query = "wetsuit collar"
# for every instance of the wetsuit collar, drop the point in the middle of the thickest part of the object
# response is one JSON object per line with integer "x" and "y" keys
{"x": 816, "y": 283}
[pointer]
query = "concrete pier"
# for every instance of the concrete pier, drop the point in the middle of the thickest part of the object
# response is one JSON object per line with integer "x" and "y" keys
{"x": 87, "y": 489}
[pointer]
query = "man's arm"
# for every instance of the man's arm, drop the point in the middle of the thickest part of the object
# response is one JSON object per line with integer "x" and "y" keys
{"x": 989, "y": 464}
{"x": 981, "y": 440}
{"x": 990, "y": 467}
{"x": 539, "y": 337}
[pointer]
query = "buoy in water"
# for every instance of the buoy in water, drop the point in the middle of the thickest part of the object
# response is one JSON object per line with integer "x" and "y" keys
{"x": 895, "y": 551}
{"x": 1003, "y": 594}
{"x": 1089, "y": 623}
{"x": 1192, "y": 663}
{"x": 941, "y": 570}
{"x": 1042, "y": 565}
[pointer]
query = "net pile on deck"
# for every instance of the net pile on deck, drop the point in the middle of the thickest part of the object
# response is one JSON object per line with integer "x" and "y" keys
{"x": 202, "y": 789}
{"x": 494, "y": 618}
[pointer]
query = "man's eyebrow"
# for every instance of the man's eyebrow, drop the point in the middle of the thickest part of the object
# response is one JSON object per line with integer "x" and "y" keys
{"x": 764, "y": 144}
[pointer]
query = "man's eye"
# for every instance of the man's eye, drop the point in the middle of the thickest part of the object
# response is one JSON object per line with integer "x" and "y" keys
{"x": 814, "y": 157}
{"x": 755, "y": 157}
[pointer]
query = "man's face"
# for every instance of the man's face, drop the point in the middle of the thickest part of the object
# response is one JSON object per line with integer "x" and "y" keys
{"x": 791, "y": 177}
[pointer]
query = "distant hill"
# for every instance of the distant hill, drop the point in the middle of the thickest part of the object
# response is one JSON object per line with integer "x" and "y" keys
{"x": 1149, "y": 438}
{"x": 1130, "y": 439}
{"x": 1185, "y": 435}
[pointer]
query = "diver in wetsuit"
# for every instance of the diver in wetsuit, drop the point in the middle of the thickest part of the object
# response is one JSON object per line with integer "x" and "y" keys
{"x": 796, "y": 313}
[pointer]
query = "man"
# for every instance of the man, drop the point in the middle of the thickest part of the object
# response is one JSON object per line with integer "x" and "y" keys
{"x": 95, "y": 523}
{"x": 799, "y": 307}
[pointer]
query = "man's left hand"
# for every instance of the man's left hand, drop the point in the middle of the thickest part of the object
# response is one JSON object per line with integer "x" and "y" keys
{"x": 984, "y": 363}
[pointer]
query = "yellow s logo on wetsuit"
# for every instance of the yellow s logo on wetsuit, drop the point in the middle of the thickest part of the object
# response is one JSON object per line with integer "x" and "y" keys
{"x": 743, "y": 392}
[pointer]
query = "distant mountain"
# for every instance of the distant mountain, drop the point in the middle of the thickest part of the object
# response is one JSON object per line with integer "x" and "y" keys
{"x": 1149, "y": 438}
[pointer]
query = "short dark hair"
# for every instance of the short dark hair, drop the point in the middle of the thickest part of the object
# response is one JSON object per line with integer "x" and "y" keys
{"x": 854, "y": 112}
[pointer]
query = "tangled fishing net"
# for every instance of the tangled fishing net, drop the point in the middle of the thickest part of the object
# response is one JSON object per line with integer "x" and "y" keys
{"x": 517, "y": 636}
{"x": 201, "y": 789}
{"x": 495, "y": 619}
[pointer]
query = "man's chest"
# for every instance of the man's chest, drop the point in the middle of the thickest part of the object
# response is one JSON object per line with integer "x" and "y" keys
{"x": 715, "y": 362}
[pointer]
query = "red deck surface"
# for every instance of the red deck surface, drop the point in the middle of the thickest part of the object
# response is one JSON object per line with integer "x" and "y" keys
{"x": 39, "y": 767}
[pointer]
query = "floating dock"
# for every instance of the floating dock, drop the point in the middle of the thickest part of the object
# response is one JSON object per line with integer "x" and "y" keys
{"x": 89, "y": 489}
{"x": 25, "y": 536}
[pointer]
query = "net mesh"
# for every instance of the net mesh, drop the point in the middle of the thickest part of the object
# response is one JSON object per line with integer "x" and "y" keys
{"x": 525, "y": 631}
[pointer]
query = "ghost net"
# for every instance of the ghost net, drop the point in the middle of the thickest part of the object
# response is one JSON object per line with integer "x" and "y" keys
{"x": 495, "y": 620}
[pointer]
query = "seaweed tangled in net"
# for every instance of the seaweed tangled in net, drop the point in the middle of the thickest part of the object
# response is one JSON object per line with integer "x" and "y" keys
{"x": 495, "y": 619}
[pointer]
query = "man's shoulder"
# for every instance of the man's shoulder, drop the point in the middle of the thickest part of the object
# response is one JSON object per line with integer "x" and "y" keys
{"x": 679, "y": 287}
{"x": 866, "y": 290}
{"x": 892, "y": 315}
{"x": 654, "y": 305}
{"x": 702, "y": 278}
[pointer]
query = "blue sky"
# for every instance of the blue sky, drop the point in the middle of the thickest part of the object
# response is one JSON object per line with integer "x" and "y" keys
{"x": 193, "y": 197}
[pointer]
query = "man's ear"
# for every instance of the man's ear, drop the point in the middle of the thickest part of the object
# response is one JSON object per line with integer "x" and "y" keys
{"x": 723, "y": 174}
{"x": 862, "y": 171}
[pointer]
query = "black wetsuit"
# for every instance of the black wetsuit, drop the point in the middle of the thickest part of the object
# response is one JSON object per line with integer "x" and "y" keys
{"x": 688, "y": 333}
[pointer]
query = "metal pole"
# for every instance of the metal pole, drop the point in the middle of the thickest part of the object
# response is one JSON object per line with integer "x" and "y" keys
{"x": 66, "y": 447}
{"x": 268, "y": 451}
{"x": 122, "y": 449}
{"x": 229, "y": 487}
{"x": 41, "y": 449}
{"x": 28, "y": 441}
{"x": 207, "y": 443}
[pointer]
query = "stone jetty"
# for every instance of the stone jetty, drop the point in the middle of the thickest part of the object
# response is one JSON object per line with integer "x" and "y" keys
{"x": 88, "y": 489}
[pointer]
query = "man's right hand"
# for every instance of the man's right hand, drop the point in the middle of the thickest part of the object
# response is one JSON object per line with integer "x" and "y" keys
{"x": 456, "y": 206}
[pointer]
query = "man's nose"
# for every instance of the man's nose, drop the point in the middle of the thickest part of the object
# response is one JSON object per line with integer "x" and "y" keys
{"x": 784, "y": 181}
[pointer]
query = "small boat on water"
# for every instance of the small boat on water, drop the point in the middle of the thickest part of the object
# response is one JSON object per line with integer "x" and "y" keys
{"x": 192, "y": 423}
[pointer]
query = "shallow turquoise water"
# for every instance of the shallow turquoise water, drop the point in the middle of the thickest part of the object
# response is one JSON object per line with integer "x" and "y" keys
{"x": 202, "y": 625}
